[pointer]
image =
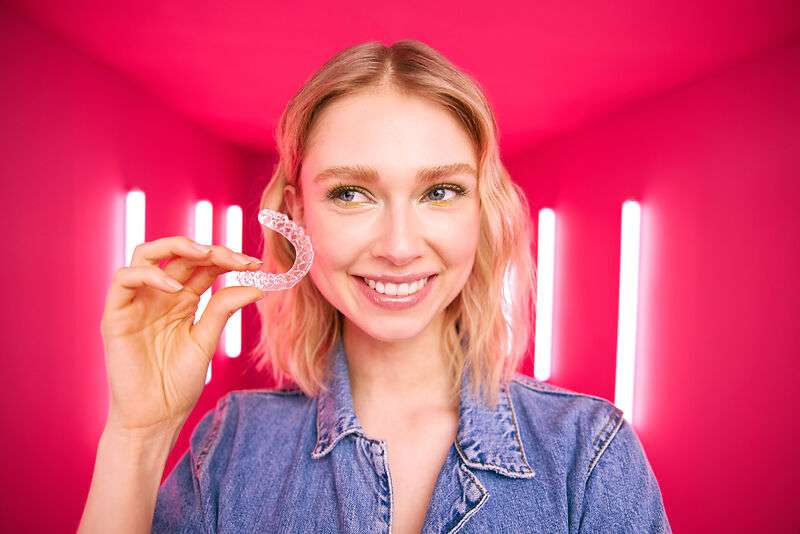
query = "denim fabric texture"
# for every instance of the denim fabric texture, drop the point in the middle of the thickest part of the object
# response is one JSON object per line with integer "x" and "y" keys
{"x": 547, "y": 459}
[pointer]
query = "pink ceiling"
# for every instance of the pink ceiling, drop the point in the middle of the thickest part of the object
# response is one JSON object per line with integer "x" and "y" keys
{"x": 547, "y": 67}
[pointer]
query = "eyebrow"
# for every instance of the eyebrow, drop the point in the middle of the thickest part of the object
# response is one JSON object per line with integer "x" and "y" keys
{"x": 368, "y": 175}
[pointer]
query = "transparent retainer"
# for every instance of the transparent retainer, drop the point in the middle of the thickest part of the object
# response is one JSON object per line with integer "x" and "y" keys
{"x": 304, "y": 255}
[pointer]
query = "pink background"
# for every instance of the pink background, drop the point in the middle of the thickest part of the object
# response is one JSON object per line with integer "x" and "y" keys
{"x": 691, "y": 110}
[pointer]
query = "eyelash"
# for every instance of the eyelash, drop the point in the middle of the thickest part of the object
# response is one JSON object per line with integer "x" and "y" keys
{"x": 334, "y": 192}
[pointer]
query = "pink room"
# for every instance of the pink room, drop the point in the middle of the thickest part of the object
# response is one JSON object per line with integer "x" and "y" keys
{"x": 235, "y": 305}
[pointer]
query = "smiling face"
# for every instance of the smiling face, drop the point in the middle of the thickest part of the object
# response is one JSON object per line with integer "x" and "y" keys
{"x": 410, "y": 207}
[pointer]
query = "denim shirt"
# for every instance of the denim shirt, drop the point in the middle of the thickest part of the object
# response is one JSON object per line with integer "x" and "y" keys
{"x": 546, "y": 459}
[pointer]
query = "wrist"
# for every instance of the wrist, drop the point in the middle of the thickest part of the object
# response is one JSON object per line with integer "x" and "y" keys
{"x": 139, "y": 451}
{"x": 153, "y": 442}
{"x": 159, "y": 431}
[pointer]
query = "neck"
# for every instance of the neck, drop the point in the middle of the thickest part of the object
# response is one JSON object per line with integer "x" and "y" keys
{"x": 405, "y": 375}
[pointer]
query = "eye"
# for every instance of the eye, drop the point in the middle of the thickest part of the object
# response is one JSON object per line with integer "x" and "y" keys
{"x": 345, "y": 194}
{"x": 443, "y": 190}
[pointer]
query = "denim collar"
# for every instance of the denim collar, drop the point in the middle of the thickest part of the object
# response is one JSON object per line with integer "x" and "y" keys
{"x": 486, "y": 439}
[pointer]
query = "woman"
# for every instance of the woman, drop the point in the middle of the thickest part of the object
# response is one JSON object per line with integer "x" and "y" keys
{"x": 405, "y": 413}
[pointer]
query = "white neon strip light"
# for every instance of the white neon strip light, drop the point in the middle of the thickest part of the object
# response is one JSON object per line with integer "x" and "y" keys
{"x": 134, "y": 222}
{"x": 545, "y": 271}
{"x": 508, "y": 290}
{"x": 628, "y": 296}
{"x": 204, "y": 234}
{"x": 233, "y": 240}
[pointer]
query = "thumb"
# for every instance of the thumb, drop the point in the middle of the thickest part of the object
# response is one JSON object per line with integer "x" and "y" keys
{"x": 222, "y": 305}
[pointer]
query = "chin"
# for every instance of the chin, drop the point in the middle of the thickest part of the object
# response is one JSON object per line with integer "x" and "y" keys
{"x": 390, "y": 331}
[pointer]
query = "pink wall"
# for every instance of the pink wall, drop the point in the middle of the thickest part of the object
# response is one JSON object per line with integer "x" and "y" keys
{"x": 714, "y": 165}
{"x": 75, "y": 137}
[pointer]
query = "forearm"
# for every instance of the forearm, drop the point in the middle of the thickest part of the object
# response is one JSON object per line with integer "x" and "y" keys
{"x": 125, "y": 483}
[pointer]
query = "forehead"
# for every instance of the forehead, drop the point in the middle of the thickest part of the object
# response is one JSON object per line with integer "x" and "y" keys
{"x": 388, "y": 132}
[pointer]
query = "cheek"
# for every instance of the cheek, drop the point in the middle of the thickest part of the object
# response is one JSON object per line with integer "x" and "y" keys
{"x": 336, "y": 245}
{"x": 458, "y": 239}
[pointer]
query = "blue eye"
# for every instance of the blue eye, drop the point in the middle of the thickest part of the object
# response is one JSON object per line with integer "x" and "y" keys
{"x": 445, "y": 189}
{"x": 336, "y": 194}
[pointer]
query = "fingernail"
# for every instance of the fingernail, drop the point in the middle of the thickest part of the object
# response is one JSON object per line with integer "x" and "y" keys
{"x": 201, "y": 248}
{"x": 173, "y": 283}
{"x": 254, "y": 259}
{"x": 241, "y": 258}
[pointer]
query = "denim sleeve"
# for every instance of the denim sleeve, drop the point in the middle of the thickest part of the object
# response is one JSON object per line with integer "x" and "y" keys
{"x": 622, "y": 493}
{"x": 178, "y": 506}
{"x": 180, "y": 503}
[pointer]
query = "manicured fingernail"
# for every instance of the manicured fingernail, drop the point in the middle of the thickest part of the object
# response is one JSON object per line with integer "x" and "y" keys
{"x": 254, "y": 259}
{"x": 202, "y": 248}
{"x": 241, "y": 258}
{"x": 173, "y": 283}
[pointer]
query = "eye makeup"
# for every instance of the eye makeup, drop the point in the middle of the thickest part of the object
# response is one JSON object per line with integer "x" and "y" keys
{"x": 337, "y": 189}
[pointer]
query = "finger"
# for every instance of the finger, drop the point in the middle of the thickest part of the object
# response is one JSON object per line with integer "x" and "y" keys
{"x": 153, "y": 252}
{"x": 127, "y": 280}
{"x": 182, "y": 268}
{"x": 222, "y": 305}
{"x": 204, "y": 277}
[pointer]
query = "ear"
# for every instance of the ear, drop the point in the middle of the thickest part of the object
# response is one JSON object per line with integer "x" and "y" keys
{"x": 294, "y": 202}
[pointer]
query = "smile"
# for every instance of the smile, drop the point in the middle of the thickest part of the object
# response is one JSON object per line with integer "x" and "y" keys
{"x": 371, "y": 293}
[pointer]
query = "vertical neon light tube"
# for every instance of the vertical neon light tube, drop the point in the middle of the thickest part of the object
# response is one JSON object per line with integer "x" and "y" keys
{"x": 508, "y": 291}
{"x": 204, "y": 234}
{"x": 233, "y": 240}
{"x": 545, "y": 274}
{"x": 628, "y": 294}
{"x": 134, "y": 222}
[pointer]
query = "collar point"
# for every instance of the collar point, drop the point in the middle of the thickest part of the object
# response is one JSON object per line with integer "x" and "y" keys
{"x": 318, "y": 452}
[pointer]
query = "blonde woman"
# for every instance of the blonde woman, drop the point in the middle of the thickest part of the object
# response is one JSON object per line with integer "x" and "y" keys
{"x": 399, "y": 407}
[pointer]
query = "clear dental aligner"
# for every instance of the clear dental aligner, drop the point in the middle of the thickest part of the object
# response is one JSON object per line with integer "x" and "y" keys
{"x": 304, "y": 254}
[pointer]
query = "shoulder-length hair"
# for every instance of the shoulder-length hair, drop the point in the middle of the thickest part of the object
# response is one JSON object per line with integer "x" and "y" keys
{"x": 487, "y": 330}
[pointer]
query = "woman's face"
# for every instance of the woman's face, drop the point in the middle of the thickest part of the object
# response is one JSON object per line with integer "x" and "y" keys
{"x": 391, "y": 224}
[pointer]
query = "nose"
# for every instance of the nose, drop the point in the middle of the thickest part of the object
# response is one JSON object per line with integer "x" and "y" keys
{"x": 400, "y": 239}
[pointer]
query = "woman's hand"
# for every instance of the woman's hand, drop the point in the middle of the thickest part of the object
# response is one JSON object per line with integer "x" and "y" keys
{"x": 156, "y": 357}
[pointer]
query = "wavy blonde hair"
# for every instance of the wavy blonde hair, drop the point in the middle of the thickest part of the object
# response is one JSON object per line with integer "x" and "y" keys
{"x": 485, "y": 333}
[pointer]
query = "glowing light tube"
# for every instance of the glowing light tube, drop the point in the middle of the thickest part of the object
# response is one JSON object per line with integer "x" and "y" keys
{"x": 508, "y": 292}
{"x": 203, "y": 234}
{"x": 232, "y": 336}
{"x": 628, "y": 295}
{"x": 545, "y": 273}
{"x": 134, "y": 222}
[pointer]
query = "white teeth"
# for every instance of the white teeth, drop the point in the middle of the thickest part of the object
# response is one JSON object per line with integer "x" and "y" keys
{"x": 401, "y": 290}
